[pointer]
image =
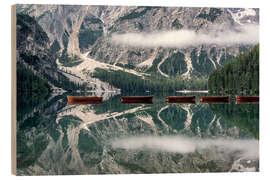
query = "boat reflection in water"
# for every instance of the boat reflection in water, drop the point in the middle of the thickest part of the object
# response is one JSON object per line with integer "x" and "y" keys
{"x": 215, "y": 99}
{"x": 247, "y": 99}
{"x": 181, "y": 99}
{"x": 137, "y": 99}
{"x": 84, "y": 100}
{"x": 57, "y": 139}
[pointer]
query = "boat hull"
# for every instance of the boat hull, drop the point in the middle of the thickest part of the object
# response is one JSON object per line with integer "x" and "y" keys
{"x": 137, "y": 100}
{"x": 181, "y": 99}
{"x": 246, "y": 99}
{"x": 84, "y": 100}
{"x": 215, "y": 99}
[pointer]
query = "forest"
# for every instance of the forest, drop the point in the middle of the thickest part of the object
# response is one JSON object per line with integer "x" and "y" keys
{"x": 241, "y": 75}
{"x": 174, "y": 64}
{"x": 28, "y": 81}
{"x": 154, "y": 83}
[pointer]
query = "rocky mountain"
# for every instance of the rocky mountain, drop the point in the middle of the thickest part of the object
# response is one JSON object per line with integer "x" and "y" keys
{"x": 38, "y": 59}
{"x": 34, "y": 53}
{"x": 89, "y": 30}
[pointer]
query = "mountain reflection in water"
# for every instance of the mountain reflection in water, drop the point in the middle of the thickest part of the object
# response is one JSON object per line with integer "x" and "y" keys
{"x": 53, "y": 138}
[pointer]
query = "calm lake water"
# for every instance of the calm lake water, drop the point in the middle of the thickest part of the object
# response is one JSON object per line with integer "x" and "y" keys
{"x": 56, "y": 138}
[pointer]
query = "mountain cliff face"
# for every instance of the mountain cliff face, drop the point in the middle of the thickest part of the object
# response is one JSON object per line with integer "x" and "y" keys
{"x": 89, "y": 29}
{"x": 33, "y": 45}
{"x": 34, "y": 53}
{"x": 37, "y": 55}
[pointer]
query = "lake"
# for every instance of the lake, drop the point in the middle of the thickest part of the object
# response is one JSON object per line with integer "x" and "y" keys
{"x": 54, "y": 138}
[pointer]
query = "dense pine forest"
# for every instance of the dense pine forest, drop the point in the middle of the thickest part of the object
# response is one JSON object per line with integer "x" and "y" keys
{"x": 27, "y": 81}
{"x": 241, "y": 75}
{"x": 174, "y": 65}
{"x": 155, "y": 83}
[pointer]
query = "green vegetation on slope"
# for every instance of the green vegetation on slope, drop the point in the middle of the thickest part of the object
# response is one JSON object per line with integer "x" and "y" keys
{"x": 55, "y": 47}
{"x": 238, "y": 76}
{"x": 127, "y": 66}
{"x": 27, "y": 81}
{"x": 155, "y": 83}
{"x": 174, "y": 64}
{"x": 212, "y": 15}
{"x": 69, "y": 61}
{"x": 225, "y": 58}
{"x": 88, "y": 37}
{"x": 93, "y": 20}
{"x": 136, "y": 13}
{"x": 90, "y": 30}
{"x": 153, "y": 68}
{"x": 201, "y": 63}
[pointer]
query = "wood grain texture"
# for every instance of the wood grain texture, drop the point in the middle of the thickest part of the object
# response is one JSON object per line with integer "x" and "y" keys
{"x": 13, "y": 90}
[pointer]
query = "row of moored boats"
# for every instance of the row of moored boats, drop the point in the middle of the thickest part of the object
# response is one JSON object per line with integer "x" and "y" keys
{"x": 169, "y": 99}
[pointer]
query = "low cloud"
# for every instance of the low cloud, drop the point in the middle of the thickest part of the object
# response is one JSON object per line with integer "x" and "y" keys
{"x": 181, "y": 144}
{"x": 216, "y": 34}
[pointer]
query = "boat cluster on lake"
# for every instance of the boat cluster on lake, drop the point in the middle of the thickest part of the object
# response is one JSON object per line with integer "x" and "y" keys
{"x": 169, "y": 99}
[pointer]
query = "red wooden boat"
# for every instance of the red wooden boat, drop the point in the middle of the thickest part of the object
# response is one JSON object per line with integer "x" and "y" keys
{"x": 84, "y": 100}
{"x": 247, "y": 99}
{"x": 180, "y": 99}
{"x": 215, "y": 99}
{"x": 137, "y": 99}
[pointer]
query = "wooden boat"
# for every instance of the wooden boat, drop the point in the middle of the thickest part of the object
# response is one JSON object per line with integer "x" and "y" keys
{"x": 84, "y": 100}
{"x": 181, "y": 99}
{"x": 137, "y": 99}
{"x": 215, "y": 99}
{"x": 246, "y": 99}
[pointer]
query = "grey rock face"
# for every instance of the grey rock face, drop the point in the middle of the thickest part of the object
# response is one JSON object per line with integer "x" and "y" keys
{"x": 33, "y": 47}
{"x": 96, "y": 25}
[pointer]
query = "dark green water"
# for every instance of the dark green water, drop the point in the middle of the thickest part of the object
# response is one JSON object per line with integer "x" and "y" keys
{"x": 109, "y": 138}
